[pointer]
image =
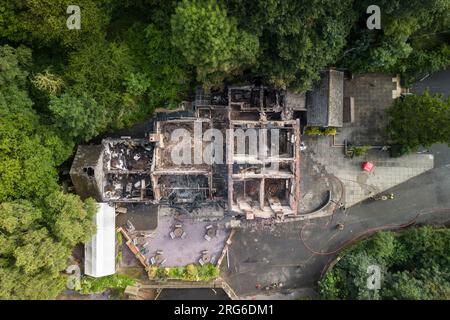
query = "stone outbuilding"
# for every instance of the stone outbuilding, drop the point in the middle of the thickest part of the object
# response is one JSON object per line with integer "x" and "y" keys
{"x": 325, "y": 102}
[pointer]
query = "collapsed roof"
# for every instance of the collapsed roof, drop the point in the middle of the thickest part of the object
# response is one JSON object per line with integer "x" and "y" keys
{"x": 144, "y": 170}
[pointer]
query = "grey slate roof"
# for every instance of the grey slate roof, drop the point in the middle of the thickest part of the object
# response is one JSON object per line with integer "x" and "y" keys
{"x": 325, "y": 102}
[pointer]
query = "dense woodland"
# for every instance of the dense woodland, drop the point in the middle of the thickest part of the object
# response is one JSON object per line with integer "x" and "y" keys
{"x": 61, "y": 87}
{"x": 414, "y": 264}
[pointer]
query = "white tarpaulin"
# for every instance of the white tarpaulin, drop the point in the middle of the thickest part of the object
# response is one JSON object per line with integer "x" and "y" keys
{"x": 99, "y": 253}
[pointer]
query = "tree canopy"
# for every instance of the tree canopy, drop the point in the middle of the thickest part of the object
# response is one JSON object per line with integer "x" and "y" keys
{"x": 79, "y": 117}
{"x": 414, "y": 264}
{"x": 29, "y": 150}
{"x": 43, "y": 22}
{"x": 298, "y": 39}
{"x": 31, "y": 255}
{"x": 39, "y": 225}
{"x": 211, "y": 41}
{"x": 413, "y": 39}
{"x": 420, "y": 120}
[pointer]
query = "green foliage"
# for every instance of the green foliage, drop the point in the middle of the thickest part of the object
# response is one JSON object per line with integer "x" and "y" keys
{"x": 161, "y": 78}
{"x": 131, "y": 57}
{"x": 37, "y": 251}
{"x": 191, "y": 272}
{"x": 208, "y": 271}
{"x": 408, "y": 43}
{"x": 424, "y": 284}
{"x": 13, "y": 80}
{"x": 15, "y": 285}
{"x": 128, "y": 75}
{"x": 30, "y": 259}
{"x": 71, "y": 220}
{"x": 318, "y": 131}
{"x": 283, "y": 42}
{"x": 28, "y": 150}
{"x": 415, "y": 265}
{"x": 211, "y": 41}
{"x": 34, "y": 248}
{"x": 419, "y": 120}
{"x": 119, "y": 252}
{"x": 39, "y": 225}
{"x": 81, "y": 118}
{"x": 360, "y": 150}
{"x": 330, "y": 131}
{"x": 329, "y": 286}
{"x": 429, "y": 245}
{"x": 43, "y": 22}
{"x": 166, "y": 72}
{"x": 102, "y": 78}
{"x": 313, "y": 131}
{"x": 48, "y": 82}
{"x": 424, "y": 61}
{"x": 99, "y": 285}
{"x": 26, "y": 169}
{"x": 297, "y": 39}
{"x": 398, "y": 150}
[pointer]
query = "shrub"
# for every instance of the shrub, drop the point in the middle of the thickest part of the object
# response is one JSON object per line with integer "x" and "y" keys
{"x": 152, "y": 272}
{"x": 330, "y": 131}
{"x": 163, "y": 273}
{"x": 328, "y": 286}
{"x": 361, "y": 150}
{"x": 208, "y": 271}
{"x": 191, "y": 272}
{"x": 176, "y": 272}
{"x": 313, "y": 131}
{"x": 397, "y": 150}
{"x": 317, "y": 131}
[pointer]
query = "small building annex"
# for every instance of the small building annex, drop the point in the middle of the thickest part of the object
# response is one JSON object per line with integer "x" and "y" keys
{"x": 325, "y": 103}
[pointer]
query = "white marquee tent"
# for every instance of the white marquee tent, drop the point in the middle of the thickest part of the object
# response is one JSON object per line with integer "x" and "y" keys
{"x": 99, "y": 253}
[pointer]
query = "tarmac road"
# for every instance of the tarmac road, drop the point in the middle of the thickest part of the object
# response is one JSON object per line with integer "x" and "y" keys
{"x": 438, "y": 82}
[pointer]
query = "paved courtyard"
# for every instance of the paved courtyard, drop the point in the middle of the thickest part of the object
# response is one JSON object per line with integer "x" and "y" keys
{"x": 178, "y": 251}
{"x": 373, "y": 95}
{"x": 360, "y": 185}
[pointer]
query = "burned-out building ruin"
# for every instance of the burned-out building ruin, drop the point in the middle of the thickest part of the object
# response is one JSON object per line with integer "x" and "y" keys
{"x": 187, "y": 181}
{"x": 233, "y": 154}
{"x": 262, "y": 183}
{"x": 174, "y": 165}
